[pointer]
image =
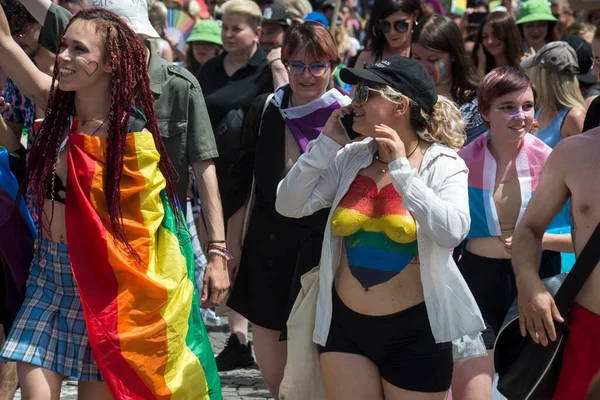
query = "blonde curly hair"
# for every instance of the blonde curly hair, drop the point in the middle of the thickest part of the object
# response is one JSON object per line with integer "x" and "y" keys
{"x": 444, "y": 125}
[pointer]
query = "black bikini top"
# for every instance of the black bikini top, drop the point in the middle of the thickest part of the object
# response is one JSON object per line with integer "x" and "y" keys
{"x": 136, "y": 124}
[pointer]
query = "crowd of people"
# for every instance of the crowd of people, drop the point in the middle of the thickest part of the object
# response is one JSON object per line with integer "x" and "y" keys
{"x": 371, "y": 187}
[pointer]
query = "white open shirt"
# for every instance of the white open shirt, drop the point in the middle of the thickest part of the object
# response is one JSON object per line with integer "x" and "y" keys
{"x": 436, "y": 196}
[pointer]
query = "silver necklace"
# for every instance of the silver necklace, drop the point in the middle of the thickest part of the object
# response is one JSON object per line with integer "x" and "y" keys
{"x": 384, "y": 170}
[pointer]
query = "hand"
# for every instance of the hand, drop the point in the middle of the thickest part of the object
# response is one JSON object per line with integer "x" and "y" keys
{"x": 172, "y": 42}
{"x": 3, "y": 105}
{"x": 216, "y": 282}
{"x": 391, "y": 142}
{"x": 537, "y": 311}
{"x": 508, "y": 244}
{"x": 333, "y": 128}
{"x": 274, "y": 56}
{"x": 531, "y": 53}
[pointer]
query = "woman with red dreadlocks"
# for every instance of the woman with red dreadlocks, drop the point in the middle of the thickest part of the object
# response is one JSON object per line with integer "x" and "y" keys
{"x": 106, "y": 309}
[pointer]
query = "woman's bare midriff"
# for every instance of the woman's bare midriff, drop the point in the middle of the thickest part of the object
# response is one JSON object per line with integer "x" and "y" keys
{"x": 490, "y": 247}
{"x": 57, "y": 231}
{"x": 399, "y": 293}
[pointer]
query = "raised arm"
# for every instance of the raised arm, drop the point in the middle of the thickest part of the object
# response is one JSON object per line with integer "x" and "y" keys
{"x": 32, "y": 82}
{"x": 536, "y": 305}
{"x": 312, "y": 182}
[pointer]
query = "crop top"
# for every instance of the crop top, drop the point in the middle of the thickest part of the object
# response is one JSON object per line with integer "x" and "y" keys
{"x": 380, "y": 235}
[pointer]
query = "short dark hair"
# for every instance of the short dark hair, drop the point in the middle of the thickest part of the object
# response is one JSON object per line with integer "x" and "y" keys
{"x": 440, "y": 33}
{"x": 18, "y": 17}
{"x": 499, "y": 82}
{"x": 312, "y": 37}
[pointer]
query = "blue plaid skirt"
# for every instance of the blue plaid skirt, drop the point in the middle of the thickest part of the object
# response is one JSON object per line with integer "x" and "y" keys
{"x": 50, "y": 330}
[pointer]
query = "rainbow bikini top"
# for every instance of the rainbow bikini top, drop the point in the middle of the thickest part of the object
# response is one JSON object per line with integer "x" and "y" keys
{"x": 380, "y": 235}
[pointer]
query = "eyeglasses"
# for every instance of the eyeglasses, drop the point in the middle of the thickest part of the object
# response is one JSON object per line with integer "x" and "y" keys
{"x": 316, "y": 69}
{"x": 595, "y": 62}
{"x": 362, "y": 94}
{"x": 400, "y": 26}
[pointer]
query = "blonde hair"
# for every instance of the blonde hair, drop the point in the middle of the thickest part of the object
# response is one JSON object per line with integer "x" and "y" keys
{"x": 157, "y": 14}
{"x": 444, "y": 125}
{"x": 342, "y": 40}
{"x": 247, "y": 8}
{"x": 298, "y": 8}
{"x": 564, "y": 91}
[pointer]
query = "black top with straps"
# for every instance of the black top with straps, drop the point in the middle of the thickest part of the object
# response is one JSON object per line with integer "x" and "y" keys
{"x": 136, "y": 124}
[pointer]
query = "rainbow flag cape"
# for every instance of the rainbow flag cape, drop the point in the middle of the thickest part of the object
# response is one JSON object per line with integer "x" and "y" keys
{"x": 17, "y": 235}
{"x": 143, "y": 319}
{"x": 482, "y": 177}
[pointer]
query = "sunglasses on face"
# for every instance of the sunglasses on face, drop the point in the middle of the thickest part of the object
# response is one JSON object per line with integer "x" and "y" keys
{"x": 400, "y": 26}
{"x": 316, "y": 69}
{"x": 362, "y": 94}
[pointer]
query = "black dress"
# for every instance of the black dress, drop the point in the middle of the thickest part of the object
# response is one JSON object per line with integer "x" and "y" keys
{"x": 277, "y": 250}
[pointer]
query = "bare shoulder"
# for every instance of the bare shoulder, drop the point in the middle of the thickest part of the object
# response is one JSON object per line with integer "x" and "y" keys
{"x": 578, "y": 151}
{"x": 366, "y": 57}
{"x": 573, "y": 124}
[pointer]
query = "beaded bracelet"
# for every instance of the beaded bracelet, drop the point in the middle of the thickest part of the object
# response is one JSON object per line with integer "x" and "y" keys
{"x": 220, "y": 251}
{"x": 213, "y": 242}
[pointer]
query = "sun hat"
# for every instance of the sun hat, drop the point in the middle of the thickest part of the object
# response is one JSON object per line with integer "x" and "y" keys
{"x": 134, "y": 12}
{"x": 555, "y": 56}
{"x": 207, "y": 30}
{"x": 403, "y": 74}
{"x": 535, "y": 10}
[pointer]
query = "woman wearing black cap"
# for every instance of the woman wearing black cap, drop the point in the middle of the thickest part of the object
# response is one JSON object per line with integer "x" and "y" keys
{"x": 388, "y": 30}
{"x": 391, "y": 298}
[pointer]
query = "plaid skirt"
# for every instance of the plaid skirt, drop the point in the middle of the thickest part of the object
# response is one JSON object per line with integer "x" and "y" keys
{"x": 50, "y": 330}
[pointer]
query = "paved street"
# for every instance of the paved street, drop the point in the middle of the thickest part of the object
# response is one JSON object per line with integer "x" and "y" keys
{"x": 243, "y": 384}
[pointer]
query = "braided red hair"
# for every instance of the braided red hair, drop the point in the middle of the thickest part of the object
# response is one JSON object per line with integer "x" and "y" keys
{"x": 127, "y": 59}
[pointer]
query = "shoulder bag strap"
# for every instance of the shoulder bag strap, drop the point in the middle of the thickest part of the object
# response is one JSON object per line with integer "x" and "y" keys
{"x": 585, "y": 264}
{"x": 252, "y": 198}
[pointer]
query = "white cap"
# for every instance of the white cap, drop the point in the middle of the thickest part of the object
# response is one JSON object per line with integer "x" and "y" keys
{"x": 134, "y": 12}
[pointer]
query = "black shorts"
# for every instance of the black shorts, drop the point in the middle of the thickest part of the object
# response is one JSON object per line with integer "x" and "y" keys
{"x": 401, "y": 345}
{"x": 492, "y": 282}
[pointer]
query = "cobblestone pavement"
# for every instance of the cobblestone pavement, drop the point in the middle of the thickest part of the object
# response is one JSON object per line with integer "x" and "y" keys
{"x": 241, "y": 384}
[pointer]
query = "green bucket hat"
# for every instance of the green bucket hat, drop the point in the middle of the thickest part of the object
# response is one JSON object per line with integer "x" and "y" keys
{"x": 207, "y": 30}
{"x": 535, "y": 10}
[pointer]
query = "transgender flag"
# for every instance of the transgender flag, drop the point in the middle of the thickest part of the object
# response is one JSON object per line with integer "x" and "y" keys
{"x": 306, "y": 122}
{"x": 17, "y": 235}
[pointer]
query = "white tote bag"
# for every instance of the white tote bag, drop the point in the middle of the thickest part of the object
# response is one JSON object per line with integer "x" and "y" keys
{"x": 302, "y": 376}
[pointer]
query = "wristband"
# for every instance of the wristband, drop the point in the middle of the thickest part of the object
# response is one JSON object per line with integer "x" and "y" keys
{"x": 272, "y": 61}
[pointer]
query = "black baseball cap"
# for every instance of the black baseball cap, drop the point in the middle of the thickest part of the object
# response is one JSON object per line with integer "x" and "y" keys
{"x": 276, "y": 14}
{"x": 584, "y": 58}
{"x": 403, "y": 74}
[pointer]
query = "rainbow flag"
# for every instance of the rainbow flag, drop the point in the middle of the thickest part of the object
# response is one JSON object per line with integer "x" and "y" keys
{"x": 17, "y": 235}
{"x": 482, "y": 177}
{"x": 143, "y": 319}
